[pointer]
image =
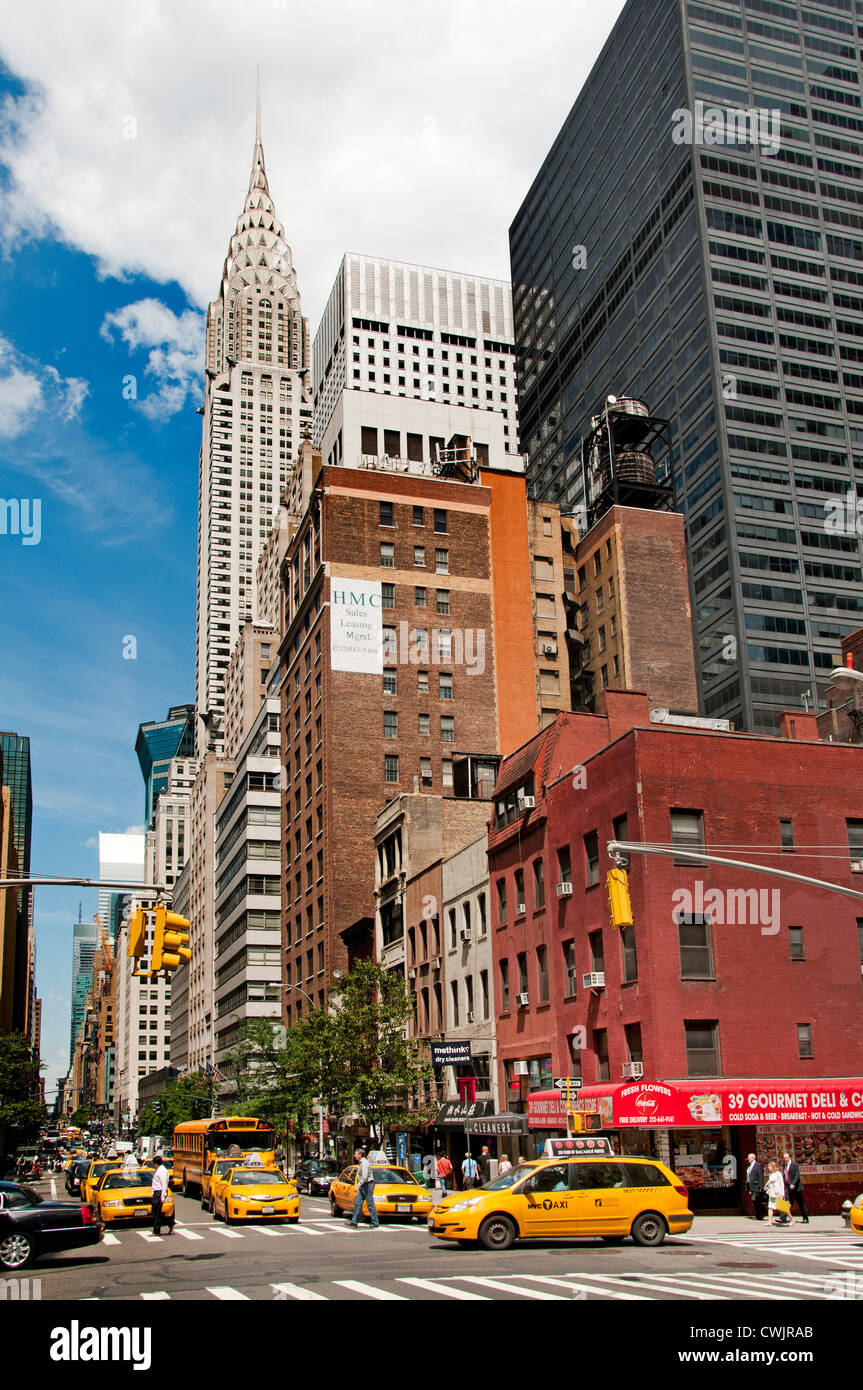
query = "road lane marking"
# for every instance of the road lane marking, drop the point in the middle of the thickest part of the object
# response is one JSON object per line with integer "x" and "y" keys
{"x": 297, "y": 1291}
{"x": 574, "y": 1283}
{"x": 108, "y": 1238}
{"x": 660, "y": 1284}
{"x": 227, "y": 1294}
{"x": 265, "y": 1231}
{"x": 383, "y": 1295}
{"x": 434, "y": 1287}
{"x": 223, "y": 1231}
{"x": 186, "y": 1233}
{"x": 53, "y": 1190}
{"x": 160, "y": 1296}
{"x": 149, "y": 1237}
{"x": 504, "y": 1287}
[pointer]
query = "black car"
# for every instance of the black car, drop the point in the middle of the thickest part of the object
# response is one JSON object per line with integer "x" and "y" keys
{"x": 29, "y": 1225}
{"x": 75, "y": 1173}
{"x": 314, "y": 1175}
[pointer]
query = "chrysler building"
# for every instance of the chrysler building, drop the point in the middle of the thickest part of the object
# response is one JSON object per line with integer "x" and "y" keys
{"x": 257, "y": 408}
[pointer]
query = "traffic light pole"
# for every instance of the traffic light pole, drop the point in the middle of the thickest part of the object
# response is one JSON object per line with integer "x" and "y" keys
{"x": 620, "y": 849}
{"x": 141, "y": 890}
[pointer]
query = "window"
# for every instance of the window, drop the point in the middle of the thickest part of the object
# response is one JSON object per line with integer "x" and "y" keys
{"x": 440, "y": 525}
{"x": 795, "y": 942}
{"x": 454, "y": 1004}
{"x": 443, "y": 600}
{"x": 600, "y": 1047}
{"x": 538, "y": 883}
{"x": 564, "y": 865}
{"x": 786, "y": 834}
{"x": 855, "y": 844}
{"x": 687, "y": 831}
{"x": 446, "y": 772}
{"x": 480, "y": 907}
{"x": 425, "y": 769}
{"x": 804, "y": 1040}
{"x": 441, "y": 561}
{"x": 504, "y": 986}
{"x": 519, "y": 892}
{"x": 629, "y": 960}
{"x": 388, "y": 596}
{"x": 420, "y": 595}
{"x": 597, "y": 954}
{"x": 542, "y": 971}
{"x": 422, "y": 682}
{"x": 388, "y": 560}
{"x": 695, "y": 943}
{"x": 419, "y": 556}
{"x": 419, "y": 516}
{"x": 483, "y": 993}
{"x": 702, "y": 1048}
{"x": 591, "y": 857}
{"x": 391, "y": 767}
{"x": 501, "y": 899}
{"x": 391, "y": 724}
{"x": 447, "y": 728}
{"x": 569, "y": 970}
{"x": 386, "y": 517}
{"x": 390, "y": 680}
{"x": 423, "y": 723}
{"x": 453, "y": 930}
{"x": 521, "y": 961}
{"x": 444, "y": 644}
{"x": 632, "y": 1033}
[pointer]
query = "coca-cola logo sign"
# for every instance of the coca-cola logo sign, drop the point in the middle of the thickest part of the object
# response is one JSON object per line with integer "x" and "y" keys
{"x": 646, "y": 1102}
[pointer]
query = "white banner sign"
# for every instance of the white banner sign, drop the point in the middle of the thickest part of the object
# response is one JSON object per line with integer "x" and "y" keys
{"x": 356, "y": 626}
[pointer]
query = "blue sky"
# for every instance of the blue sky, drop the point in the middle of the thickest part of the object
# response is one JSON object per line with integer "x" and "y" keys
{"x": 125, "y": 148}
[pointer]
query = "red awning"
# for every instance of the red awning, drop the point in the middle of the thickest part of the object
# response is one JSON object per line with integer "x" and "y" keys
{"x": 824, "y": 1100}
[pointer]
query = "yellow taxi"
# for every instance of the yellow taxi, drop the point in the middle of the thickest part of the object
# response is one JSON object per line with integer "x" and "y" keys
{"x": 124, "y": 1194}
{"x": 602, "y": 1196}
{"x": 98, "y": 1168}
{"x": 247, "y": 1194}
{"x": 216, "y": 1168}
{"x": 857, "y": 1215}
{"x": 396, "y": 1193}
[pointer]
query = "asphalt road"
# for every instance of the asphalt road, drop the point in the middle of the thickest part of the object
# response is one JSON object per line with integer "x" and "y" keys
{"x": 323, "y": 1259}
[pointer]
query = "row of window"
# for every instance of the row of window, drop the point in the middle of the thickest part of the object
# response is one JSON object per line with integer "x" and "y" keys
{"x": 441, "y": 558}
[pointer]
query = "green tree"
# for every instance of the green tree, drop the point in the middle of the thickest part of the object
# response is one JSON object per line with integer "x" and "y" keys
{"x": 21, "y": 1107}
{"x": 188, "y": 1097}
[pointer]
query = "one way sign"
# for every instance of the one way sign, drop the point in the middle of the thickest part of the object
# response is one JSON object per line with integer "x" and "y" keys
{"x": 561, "y": 1083}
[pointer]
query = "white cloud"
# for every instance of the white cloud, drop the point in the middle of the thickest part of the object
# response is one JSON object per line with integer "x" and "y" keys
{"x": 20, "y": 392}
{"x": 176, "y": 357}
{"x": 28, "y": 387}
{"x": 411, "y": 140}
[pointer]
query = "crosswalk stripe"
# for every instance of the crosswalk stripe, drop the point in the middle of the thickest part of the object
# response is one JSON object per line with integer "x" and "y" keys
{"x": 573, "y": 1283}
{"x": 501, "y": 1285}
{"x": 265, "y": 1231}
{"x": 108, "y": 1238}
{"x": 297, "y": 1291}
{"x": 434, "y": 1286}
{"x": 655, "y": 1282}
{"x": 223, "y": 1231}
{"x": 148, "y": 1236}
{"x": 187, "y": 1234}
{"x": 227, "y": 1294}
{"x": 157, "y": 1297}
{"x": 383, "y": 1295}
{"x": 729, "y": 1284}
{"x": 301, "y": 1229}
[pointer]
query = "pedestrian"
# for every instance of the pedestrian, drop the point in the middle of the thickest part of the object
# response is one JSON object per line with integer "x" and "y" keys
{"x": 504, "y": 1166}
{"x": 755, "y": 1185}
{"x": 159, "y": 1189}
{"x": 365, "y": 1192}
{"x": 343, "y": 1157}
{"x": 469, "y": 1171}
{"x": 794, "y": 1188}
{"x": 775, "y": 1192}
{"x": 444, "y": 1172}
{"x": 484, "y": 1165}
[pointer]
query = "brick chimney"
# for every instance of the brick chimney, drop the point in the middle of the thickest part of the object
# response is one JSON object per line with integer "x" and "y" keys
{"x": 794, "y": 724}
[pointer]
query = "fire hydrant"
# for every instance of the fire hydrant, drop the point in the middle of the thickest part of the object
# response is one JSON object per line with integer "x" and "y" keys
{"x": 846, "y": 1211}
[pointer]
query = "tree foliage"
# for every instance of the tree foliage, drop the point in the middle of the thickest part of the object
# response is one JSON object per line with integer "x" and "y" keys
{"x": 188, "y": 1097}
{"x": 21, "y": 1107}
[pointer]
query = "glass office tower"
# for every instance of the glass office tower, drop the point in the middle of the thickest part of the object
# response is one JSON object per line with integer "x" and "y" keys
{"x": 157, "y": 743}
{"x": 695, "y": 238}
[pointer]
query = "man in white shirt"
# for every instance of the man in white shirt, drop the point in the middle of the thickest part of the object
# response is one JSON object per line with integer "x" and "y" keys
{"x": 159, "y": 1190}
{"x": 365, "y": 1192}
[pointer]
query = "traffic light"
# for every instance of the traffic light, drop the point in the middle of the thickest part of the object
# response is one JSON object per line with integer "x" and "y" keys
{"x": 170, "y": 941}
{"x": 583, "y": 1122}
{"x": 617, "y": 882}
{"x": 137, "y": 933}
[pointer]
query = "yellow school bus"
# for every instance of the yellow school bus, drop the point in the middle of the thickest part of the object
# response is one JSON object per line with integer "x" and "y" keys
{"x": 198, "y": 1142}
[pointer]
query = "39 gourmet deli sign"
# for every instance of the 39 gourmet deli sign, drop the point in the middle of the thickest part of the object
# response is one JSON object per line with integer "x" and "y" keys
{"x": 659, "y": 1103}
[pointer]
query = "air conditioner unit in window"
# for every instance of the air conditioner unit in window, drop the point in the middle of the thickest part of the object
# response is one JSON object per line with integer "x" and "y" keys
{"x": 527, "y": 802}
{"x": 595, "y": 980}
{"x": 549, "y": 649}
{"x": 521, "y": 1000}
{"x": 520, "y": 1069}
{"x": 470, "y": 1015}
{"x": 465, "y": 933}
{"x": 436, "y": 964}
{"x": 564, "y": 890}
{"x": 633, "y": 1069}
{"x": 857, "y": 866}
{"x": 412, "y": 974}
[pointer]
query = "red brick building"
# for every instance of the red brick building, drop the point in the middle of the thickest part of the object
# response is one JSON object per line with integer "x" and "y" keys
{"x": 726, "y": 973}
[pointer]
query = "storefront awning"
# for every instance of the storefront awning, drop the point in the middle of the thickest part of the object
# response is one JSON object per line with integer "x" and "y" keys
{"x": 758, "y": 1101}
{"x": 480, "y": 1121}
{"x": 454, "y": 1113}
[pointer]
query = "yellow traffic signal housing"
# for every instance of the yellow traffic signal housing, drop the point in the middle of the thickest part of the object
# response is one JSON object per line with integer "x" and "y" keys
{"x": 170, "y": 941}
{"x": 617, "y": 883}
{"x": 583, "y": 1122}
{"x": 137, "y": 933}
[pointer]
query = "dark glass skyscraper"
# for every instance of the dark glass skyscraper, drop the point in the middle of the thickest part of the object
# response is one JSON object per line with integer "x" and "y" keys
{"x": 15, "y": 749}
{"x": 157, "y": 743}
{"x": 695, "y": 238}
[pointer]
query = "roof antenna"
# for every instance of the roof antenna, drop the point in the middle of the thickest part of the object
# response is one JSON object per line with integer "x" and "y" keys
{"x": 258, "y": 108}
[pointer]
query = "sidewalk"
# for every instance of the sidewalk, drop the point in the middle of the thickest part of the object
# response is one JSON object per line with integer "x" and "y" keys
{"x": 736, "y": 1225}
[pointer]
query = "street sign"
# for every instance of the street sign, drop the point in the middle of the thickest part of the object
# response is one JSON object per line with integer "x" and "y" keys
{"x": 401, "y": 1147}
{"x": 563, "y": 1083}
{"x": 449, "y": 1054}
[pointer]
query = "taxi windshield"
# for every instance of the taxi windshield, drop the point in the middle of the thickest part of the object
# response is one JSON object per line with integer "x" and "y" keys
{"x": 100, "y": 1168}
{"x": 398, "y": 1175}
{"x": 257, "y": 1177}
{"x": 131, "y": 1178}
{"x": 509, "y": 1179}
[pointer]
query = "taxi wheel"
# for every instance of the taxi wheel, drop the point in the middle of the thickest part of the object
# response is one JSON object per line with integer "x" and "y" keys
{"x": 211, "y": 1206}
{"x": 497, "y": 1233}
{"x": 204, "y": 1203}
{"x": 649, "y": 1229}
{"x": 334, "y": 1207}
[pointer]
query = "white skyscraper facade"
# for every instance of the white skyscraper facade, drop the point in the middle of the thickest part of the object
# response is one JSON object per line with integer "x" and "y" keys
{"x": 257, "y": 405}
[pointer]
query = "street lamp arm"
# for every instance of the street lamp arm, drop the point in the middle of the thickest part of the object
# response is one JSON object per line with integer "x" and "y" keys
{"x": 624, "y": 847}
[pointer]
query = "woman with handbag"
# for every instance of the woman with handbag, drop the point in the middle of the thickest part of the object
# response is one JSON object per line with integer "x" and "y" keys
{"x": 776, "y": 1200}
